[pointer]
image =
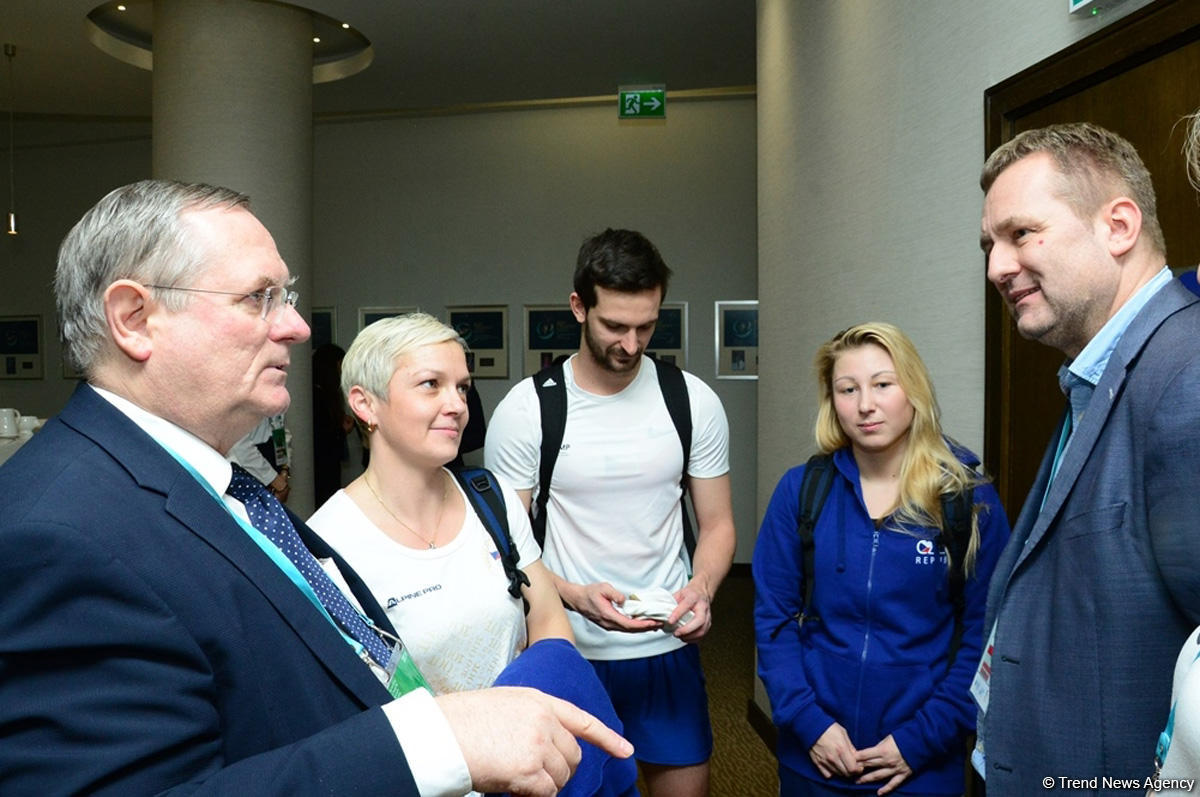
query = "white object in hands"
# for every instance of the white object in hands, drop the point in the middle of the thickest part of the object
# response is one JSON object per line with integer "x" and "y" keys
{"x": 653, "y": 603}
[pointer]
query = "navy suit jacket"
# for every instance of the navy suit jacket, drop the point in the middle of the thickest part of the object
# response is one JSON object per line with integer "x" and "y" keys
{"x": 147, "y": 644}
{"x": 1100, "y": 585}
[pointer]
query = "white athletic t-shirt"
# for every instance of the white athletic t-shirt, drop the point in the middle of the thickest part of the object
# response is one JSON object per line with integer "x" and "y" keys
{"x": 449, "y": 604}
{"x": 614, "y": 512}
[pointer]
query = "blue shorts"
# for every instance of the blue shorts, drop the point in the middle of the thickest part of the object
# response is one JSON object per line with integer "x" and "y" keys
{"x": 662, "y": 704}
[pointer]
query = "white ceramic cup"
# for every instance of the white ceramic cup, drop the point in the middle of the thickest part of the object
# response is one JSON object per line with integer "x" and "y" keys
{"x": 26, "y": 424}
{"x": 8, "y": 422}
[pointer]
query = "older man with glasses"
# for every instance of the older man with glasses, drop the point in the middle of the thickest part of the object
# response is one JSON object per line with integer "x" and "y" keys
{"x": 164, "y": 622}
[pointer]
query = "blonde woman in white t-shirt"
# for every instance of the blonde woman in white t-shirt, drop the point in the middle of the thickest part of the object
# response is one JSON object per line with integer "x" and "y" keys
{"x": 407, "y": 528}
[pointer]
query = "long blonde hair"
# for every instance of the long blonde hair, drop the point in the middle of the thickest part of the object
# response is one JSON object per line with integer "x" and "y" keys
{"x": 929, "y": 468}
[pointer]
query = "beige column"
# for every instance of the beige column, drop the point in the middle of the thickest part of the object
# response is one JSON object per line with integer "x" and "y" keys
{"x": 232, "y": 92}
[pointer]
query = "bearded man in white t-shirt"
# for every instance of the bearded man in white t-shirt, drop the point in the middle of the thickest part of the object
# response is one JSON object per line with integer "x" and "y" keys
{"x": 614, "y": 522}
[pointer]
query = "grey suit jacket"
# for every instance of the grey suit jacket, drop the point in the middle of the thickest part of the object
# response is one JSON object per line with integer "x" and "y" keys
{"x": 1100, "y": 584}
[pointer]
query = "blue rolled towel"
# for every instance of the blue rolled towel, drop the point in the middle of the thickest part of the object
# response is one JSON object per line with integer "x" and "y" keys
{"x": 555, "y": 667}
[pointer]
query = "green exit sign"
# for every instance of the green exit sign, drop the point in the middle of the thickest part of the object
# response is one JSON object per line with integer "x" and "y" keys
{"x": 642, "y": 102}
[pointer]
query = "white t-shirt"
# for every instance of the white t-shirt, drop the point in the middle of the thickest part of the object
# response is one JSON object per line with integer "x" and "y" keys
{"x": 614, "y": 512}
{"x": 449, "y": 604}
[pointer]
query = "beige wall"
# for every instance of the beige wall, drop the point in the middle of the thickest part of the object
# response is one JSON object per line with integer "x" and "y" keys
{"x": 57, "y": 179}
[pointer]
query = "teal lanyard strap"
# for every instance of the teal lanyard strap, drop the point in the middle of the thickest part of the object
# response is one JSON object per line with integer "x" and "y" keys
{"x": 277, "y": 556}
{"x": 1058, "y": 453}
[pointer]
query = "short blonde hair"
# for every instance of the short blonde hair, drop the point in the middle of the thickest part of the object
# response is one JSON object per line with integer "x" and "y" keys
{"x": 371, "y": 359}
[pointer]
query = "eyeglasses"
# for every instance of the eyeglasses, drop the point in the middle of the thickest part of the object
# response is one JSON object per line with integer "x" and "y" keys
{"x": 265, "y": 300}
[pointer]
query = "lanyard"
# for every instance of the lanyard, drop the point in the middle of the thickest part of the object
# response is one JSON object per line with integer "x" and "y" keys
{"x": 1058, "y": 453}
{"x": 277, "y": 556}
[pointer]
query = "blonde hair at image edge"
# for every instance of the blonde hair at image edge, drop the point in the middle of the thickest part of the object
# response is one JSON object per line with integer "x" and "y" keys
{"x": 1191, "y": 148}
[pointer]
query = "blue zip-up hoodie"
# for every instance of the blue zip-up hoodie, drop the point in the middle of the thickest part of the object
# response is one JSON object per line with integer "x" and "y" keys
{"x": 876, "y": 660}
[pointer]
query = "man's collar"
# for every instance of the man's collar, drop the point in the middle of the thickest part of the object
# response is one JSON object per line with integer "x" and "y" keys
{"x": 569, "y": 374}
{"x": 1089, "y": 365}
{"x": 205, "y": 459}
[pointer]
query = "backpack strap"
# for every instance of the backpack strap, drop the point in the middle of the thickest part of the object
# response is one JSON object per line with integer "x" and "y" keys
{"x": 486, "y": 499}
{"x": 955, "y": 538}
{"x": 550, "y": 386}
{"x": 814, "y": 489}
{"x": 675, "y": 395}
{"x": 552, "y": 400}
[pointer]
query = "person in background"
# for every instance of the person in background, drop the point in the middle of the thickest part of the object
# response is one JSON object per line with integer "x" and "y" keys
{"x": 614, "y": 524}
{"x": 165, "y": 624}
{"x": 1100, "y": 582}
{"x": 265, "y": 454}
{"x": 869, "y": 689}
{"x": 408, "y": 528}
{"x": 331, "y": 422}
{"x": 474, "y": 432}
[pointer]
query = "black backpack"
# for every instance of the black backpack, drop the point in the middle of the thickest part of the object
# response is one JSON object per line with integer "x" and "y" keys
{"x": 552, "y": 400}
{"x": 486, "y": 499}
{"x": 954, "y": 537}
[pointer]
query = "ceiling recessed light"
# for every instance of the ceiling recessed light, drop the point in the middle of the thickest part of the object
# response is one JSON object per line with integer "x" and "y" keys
{"x": 124, "y": 30}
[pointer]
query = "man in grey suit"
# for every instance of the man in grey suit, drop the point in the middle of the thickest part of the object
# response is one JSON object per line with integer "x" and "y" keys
{"x": 1100, "y": 582}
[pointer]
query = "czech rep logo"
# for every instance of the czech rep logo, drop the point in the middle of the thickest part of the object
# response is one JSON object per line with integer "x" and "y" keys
{"x": 924, "y": 547}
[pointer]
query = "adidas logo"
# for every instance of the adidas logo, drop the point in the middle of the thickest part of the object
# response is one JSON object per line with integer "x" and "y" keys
{"x": 551, "y": 383}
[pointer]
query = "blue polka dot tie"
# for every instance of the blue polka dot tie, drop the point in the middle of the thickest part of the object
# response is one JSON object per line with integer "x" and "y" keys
{"x": 268, "y": 516}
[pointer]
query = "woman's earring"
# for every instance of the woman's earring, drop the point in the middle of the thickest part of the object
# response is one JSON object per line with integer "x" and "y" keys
{"x": 371, "y": 427}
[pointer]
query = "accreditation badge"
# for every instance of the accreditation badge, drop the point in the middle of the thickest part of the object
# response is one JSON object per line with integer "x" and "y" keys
{"x": 401, "y": 675}
{"x": 981, "y": 683}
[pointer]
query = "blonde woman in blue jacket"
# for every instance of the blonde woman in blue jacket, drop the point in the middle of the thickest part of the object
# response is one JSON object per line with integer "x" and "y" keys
{"x": 867, "y": 694}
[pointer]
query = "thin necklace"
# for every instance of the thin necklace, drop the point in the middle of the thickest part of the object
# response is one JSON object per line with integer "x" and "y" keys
{"x": 410, "y": 529}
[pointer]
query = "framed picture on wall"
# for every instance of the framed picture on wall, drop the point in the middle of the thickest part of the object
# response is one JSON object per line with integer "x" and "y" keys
{"x": 550, "y": 331}
{"x": 669, "y": 342}
{"x": 485, "y": 329}
{"x": 21, "y": 347}
{"x": 369, "y": 315}
{"x": 324, "y": 326}
{"x": 736, "y": 332}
